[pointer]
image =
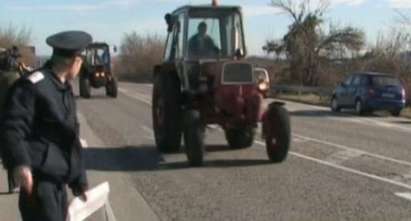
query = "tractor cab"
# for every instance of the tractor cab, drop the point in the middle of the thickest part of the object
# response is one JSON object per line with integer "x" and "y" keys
{"x": 205, "y": 32}
{"x": 96, "y": 71}
{"x": 98, "y": 58}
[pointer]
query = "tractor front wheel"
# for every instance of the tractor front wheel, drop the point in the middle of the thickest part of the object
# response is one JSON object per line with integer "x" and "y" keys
{"x": 239, "y": 138}
{"x": 194, "y": 138}
{"x": 85, "y": 87}
{"x": 111, "y": 88}
{"x": 277, "y": 131}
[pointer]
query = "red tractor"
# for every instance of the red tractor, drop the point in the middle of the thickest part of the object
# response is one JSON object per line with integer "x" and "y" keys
{"x": 205, "y": 79}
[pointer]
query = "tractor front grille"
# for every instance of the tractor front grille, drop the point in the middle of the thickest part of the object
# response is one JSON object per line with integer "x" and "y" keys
{"x": 238, "y": 73}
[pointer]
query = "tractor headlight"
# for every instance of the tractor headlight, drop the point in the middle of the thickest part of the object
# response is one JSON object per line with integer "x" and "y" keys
{"x": 262, "y": 78}
{"x": 263, "y": 86}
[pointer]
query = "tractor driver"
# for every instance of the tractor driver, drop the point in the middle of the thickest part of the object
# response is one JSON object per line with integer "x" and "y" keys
{"x": 201, "y": 44}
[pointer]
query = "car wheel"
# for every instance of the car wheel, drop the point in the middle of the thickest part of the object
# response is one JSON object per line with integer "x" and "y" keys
{"x": 111, "y": 88}
{"x": 194, "y": 138}
{"x": 335, "y": 107}
{"x": 396, "y": 113}
{"x": 359, "y": 108}
{"x": 85, "y": 87}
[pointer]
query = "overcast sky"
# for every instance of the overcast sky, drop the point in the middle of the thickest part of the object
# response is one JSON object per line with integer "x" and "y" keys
{"x": 108, "y": 20}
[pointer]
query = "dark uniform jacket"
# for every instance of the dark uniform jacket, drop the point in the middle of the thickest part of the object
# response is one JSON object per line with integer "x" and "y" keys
{"x": 40, "y": 129}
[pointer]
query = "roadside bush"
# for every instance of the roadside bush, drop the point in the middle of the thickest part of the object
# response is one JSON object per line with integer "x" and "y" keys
{"x": 138, "y": 55}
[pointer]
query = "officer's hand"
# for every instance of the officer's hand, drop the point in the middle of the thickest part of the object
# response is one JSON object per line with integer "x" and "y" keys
{"x": 80, "y": 191}
{"x": 83, "y": 196}
{"x": 24, "y": 178}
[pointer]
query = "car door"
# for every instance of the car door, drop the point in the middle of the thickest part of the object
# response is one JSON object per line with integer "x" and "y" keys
{"x": 342, "y": 91}
{"x": 352, "y": 90}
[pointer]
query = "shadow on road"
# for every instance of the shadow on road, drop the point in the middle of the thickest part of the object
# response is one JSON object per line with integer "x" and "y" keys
{"x": 122, "y": 158}
{"x": 402, "y": 122}
{"x": 148, "y": 159}
{"x": 226, "y": 163}
{"x": 94, "y": 97}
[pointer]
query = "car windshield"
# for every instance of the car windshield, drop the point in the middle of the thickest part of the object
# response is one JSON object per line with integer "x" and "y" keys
{"x": 382, "y": 81}
{"x": 214, "y": 34}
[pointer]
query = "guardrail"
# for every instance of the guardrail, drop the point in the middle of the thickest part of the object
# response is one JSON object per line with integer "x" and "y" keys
{"x": 300, "y": 90}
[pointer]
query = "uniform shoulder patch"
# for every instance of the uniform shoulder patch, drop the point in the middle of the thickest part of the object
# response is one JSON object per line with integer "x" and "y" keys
{"x": 36, "y": 77}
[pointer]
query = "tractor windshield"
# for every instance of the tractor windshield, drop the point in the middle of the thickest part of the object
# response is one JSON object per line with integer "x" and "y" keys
{"x": 98, "y": 56}
{"x": 214, "y": 33}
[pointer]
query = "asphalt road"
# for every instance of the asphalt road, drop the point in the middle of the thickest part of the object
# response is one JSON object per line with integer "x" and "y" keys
{"x": 341, "y": 167}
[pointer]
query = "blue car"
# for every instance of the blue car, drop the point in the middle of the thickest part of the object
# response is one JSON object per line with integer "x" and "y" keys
{"x": 367, "y": 92}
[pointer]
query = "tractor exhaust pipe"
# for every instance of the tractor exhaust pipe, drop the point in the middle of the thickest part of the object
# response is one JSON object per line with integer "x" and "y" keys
{"x": 215, "y": 3}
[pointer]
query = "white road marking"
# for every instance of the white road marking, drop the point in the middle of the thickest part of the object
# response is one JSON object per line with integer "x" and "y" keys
{"x": 213, "y": 127}
{"x": 406, "y": 196}
{"x": 402, "y": 162}
{"x": 346, "y": 169}
{"x": 342, "y": 156}
{"x": 299, "y": 140}
{"x": 361, "y": 120}
{"x": 318, "y": 140}
{"x": 136, "y": 96}
{"x": 149, "y": 131}
{"x": 83, "y": 143}
{"x": 122, "y": 90}
{"x": 334, "y": 165}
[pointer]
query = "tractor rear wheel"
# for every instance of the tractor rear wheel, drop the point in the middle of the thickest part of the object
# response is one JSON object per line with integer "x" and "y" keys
{"x": 194, "y": 138}
{"x": 111, "y": 88}
{"x": 166, "y": 113}
{"x": 239, "y": 138}
{"x": 277, "y": 131}
{"x": 85, "y": 87}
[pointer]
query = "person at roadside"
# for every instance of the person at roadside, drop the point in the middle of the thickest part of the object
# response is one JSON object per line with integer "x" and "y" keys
{"x": 9, "y": 74}
{"x": 40, "y": 132}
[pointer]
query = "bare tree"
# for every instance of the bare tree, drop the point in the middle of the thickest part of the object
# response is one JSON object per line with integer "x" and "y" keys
{"x": 20, "y": 37}
{"x": 138, "y": 55}
{"x": 14, "y": 36}
{"x": 307, "y": 45}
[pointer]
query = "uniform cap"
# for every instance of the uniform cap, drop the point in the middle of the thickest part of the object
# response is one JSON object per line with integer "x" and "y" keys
{"x": 69, "y": 43}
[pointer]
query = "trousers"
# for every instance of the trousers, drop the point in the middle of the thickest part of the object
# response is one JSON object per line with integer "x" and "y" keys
{"x": 48, "y": 202}
{"x": 11, "y": 181}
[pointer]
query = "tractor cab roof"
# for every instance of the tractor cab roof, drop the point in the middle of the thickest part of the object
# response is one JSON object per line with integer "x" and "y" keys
{"x": 188, "y": 8}
{"x": 98, "y": 45}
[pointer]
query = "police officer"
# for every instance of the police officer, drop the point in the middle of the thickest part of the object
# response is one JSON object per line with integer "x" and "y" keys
{"x": 40, "y": 136}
